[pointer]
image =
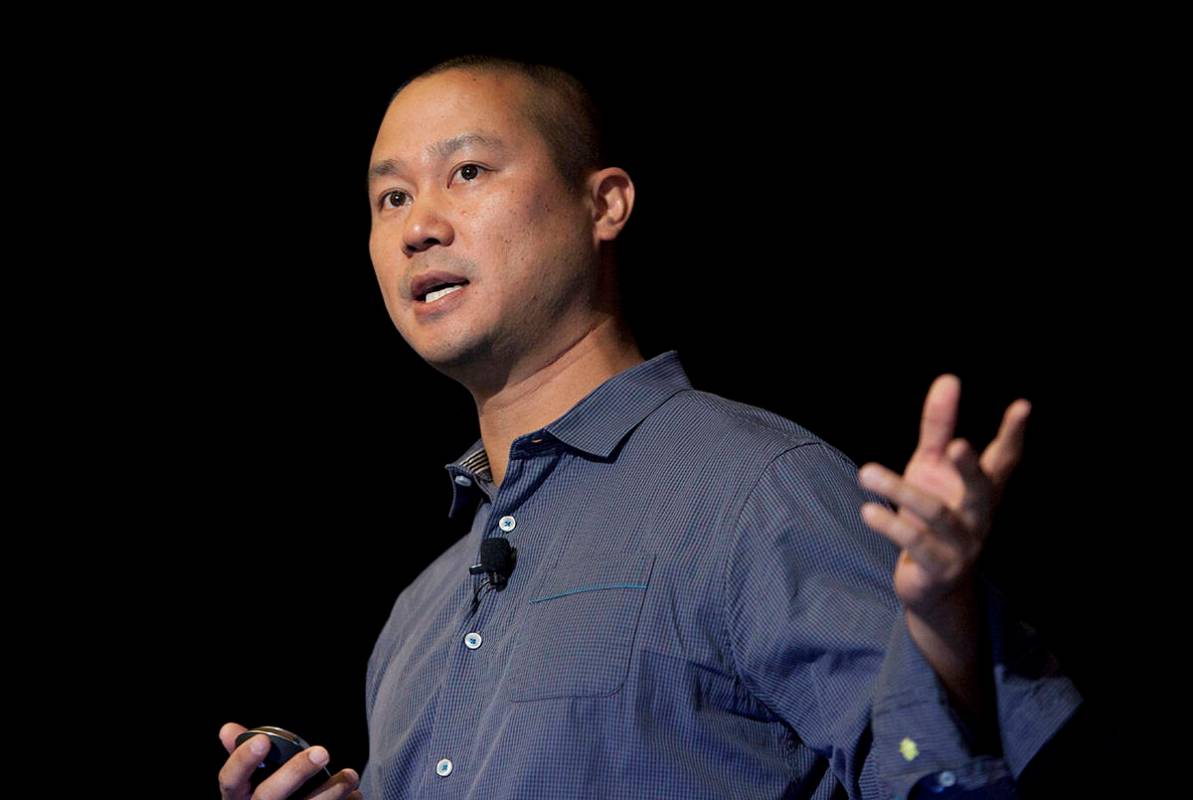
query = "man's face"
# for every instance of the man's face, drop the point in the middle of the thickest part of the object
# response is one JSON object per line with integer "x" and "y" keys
{"x": 494, "y": 213}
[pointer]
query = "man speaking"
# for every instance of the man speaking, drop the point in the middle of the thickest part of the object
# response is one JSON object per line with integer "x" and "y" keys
{"x": 664, "y": 593}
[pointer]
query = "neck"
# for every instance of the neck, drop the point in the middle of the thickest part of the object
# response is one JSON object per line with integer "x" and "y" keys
{"x": 549, "y": 386}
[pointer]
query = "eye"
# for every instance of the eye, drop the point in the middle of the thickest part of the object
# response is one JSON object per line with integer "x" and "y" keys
{"x": 476, "y": 167}
{"x": 474, "y": 170}
{"x": 388, "y": 195}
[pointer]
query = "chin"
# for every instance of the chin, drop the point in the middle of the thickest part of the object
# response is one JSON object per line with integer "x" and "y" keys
{"x": 453, "y": 357}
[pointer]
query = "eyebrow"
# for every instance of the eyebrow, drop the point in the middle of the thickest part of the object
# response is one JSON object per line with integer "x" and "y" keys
{"x": 439, "y": 150}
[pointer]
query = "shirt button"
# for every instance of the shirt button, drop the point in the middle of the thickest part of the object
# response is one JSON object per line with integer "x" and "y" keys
{"x": 472, "y": 640}
{"x": 507, "y": 523}
{"x": 444, "y": 767}
{"x": 946, "y": 779}
{"x": 463, "y": 480}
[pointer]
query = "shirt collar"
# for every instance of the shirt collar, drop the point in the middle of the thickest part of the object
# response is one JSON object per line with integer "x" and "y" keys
{"x": 595, "y": 425}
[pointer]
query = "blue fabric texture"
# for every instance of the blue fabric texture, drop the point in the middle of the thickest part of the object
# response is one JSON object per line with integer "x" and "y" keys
{"x": 697, "y": 610}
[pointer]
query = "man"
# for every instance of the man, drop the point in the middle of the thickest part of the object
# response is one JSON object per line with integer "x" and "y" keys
{"x": 701, "y": 601}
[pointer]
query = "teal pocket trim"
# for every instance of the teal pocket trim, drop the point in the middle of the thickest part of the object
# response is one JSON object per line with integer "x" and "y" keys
{"x": 590, "y": 589}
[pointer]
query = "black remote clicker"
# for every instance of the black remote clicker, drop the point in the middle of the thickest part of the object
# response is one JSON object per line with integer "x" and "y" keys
{"x": 284, "y": 745}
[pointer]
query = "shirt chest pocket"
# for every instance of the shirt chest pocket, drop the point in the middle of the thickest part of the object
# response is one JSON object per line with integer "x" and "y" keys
{"x": 579, "y": 632}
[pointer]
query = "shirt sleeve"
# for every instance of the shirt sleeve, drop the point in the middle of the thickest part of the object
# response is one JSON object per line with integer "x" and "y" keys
{"x": 819, "y": 637}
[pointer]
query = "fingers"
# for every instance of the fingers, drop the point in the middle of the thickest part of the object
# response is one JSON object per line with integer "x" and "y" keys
{"x": 967, "y": 464}
{"x": 298, "y": 770}
{"x": 234, "y": 775}
{"x": 928, "y": 507}
{"x": 341, "y": 787}
{"x": 940, "y": 414}
{"x": 931, "y": 532}
{"x": 937, "y": 558}
{"x": 1003, "y": 454}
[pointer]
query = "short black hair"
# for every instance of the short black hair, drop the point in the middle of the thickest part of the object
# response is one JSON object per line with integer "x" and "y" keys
{"x": 563, "y": 110}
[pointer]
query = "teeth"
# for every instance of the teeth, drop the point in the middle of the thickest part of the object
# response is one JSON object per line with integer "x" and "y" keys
{"x": 435, "y": 295}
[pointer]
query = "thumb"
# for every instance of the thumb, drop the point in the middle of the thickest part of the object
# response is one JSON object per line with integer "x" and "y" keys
{"x": 228, "y": 734}
{"x": 1004, "y": 453}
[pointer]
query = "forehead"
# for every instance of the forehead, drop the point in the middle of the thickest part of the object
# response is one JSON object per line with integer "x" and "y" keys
{"x": 437, "y": 107}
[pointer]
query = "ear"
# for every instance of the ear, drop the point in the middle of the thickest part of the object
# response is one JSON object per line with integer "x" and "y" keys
{"x": 611, "y": 193}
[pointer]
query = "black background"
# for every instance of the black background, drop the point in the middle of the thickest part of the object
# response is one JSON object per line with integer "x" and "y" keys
{"x": 821, "y": 227}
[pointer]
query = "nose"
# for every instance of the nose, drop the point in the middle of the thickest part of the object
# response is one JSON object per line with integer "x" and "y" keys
{"x": 426, "y": 226}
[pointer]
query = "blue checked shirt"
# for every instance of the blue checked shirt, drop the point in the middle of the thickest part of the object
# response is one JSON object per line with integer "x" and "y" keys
{"x": 697, "y": 611}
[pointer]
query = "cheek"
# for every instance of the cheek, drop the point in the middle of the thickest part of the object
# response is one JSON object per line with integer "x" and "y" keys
{"x": 503, "y": 233}
{"x": 527, "y": 226}
{"x": 542, "y": 211}
{"x": 381, "y": 253}
{"x": 376, "y": 250}
{"x": 503, "y": 216}
{"x": 385, "y": 249}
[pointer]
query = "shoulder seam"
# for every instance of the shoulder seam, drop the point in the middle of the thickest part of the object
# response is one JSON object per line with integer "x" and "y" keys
{"x": 795, "y": 439}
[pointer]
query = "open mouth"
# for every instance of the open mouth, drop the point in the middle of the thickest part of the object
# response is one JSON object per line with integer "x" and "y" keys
{"x": 441, "y": 290}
